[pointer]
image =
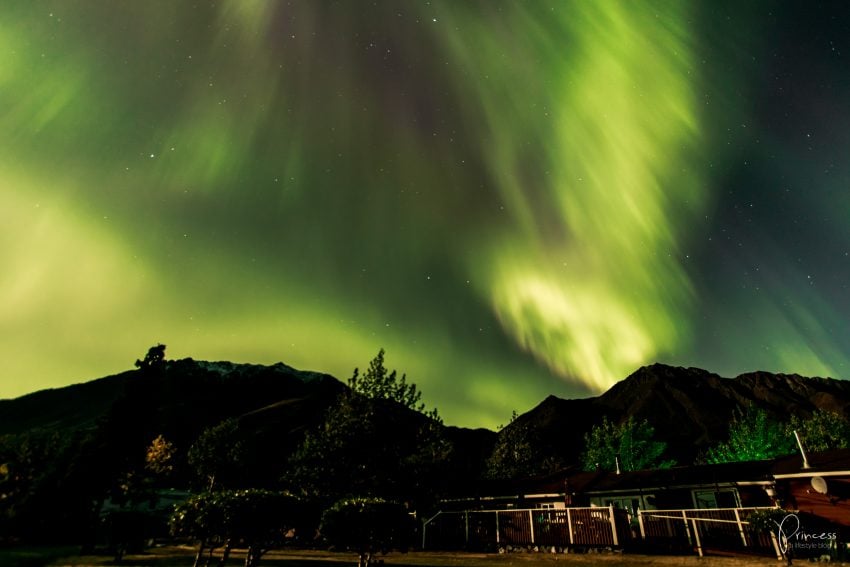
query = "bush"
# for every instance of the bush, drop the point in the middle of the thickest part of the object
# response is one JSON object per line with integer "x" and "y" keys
{"x": 367, "y": 526}
{"x": 258, "y": 518}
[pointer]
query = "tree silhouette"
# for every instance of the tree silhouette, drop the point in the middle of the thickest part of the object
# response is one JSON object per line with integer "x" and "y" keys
{"x": 514, "y": 454}
{"x": 258, "y": 518}
{"x": 217, "y": 455}
{"x": 371, "y": 443}
{"x": 154, "y": 359}
{"x": 631, "y": 441}
{"x": 160, "y": 458}
{"x": 753, "y": 435}
{"x": 378, "y": 383}
{"x": 367, "y": 526}
{"x": 822, "y": 431}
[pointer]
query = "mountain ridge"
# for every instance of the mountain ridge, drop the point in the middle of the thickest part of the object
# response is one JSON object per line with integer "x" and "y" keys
{"x": 81, "y": 404}
{"x": 690, "y": 408}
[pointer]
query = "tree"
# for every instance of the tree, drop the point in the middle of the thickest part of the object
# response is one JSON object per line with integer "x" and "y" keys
{"x": 28, "y": 483}
{"x": 217, "y": 454}
{"x": 138, "y": 484}
{"x": 380, "y": 384}
{"x": 822, "y": 431}
{"x": 753, "y": 435}
{"x": 430, "y": 448}
{"x": 54, "y": 485}
{"x": 514, "y": 454}
{"x": 258, "y": 518}
{"x": 633, "y": 442}
{"x": 367, "y": 526}
{"x": 159, "y": 457}
{"x": 154, "y": 359}
{"x": 201, "y": 517}
{"x": 601, "y": 445}
{"x": 338, "y": 457}
{"x": 370, "y": 443}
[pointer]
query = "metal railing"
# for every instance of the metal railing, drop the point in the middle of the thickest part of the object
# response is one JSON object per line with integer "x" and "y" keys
{"x": 691, "y": 529}
{"x": 719, "y": 528}
{"x": 597, "y": 526}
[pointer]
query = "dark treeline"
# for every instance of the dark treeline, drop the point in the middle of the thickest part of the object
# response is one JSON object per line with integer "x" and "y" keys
{"x": 207, "y": 433}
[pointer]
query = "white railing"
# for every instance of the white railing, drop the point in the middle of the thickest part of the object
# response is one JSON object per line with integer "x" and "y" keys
{"x": 723, "y": 528}
{"x": 727, "y": 527}
{"x": 595, "y": 526}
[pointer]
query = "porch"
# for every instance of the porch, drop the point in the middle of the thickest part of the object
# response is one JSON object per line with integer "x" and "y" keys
{"x": 719, "y": 529}
{"x": 535, "y": 527}
{"x": 697, "y": 531}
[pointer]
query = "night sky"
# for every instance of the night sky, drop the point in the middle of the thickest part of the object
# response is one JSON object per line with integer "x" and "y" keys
{"x": 514, "y": 199}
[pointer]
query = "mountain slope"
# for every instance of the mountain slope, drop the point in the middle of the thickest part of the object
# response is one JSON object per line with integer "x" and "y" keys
{"x": 689, "y": 408}
{"x": 199, "y": 393}
{"x": 78, "y": 405}
{"x": 274, "y": 405}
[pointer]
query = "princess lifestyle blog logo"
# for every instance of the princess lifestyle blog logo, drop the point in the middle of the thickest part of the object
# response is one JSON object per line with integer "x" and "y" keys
{"x": 792, "y": 536}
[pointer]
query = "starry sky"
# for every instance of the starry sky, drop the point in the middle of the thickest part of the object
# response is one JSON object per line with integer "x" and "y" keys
{"x": 514, "y": 199}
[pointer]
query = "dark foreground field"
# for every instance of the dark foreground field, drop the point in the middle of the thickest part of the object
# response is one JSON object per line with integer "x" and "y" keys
{"x": 183, "y": 557}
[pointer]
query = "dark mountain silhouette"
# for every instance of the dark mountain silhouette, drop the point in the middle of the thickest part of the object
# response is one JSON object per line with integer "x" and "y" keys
{"x": 70, "y": 407}
{"x": 188, "y": 394}
{"x": 689, "y": 408}
{"x": 78, "y": 445}
{"x": 275, "y": 405}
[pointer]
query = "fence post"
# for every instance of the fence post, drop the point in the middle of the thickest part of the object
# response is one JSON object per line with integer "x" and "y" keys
{"x": 613, "y": 524}
{"x": 775, "y": 545}
{"x": 466, "y": 525}
{"x": 569, "y": 526}
{"x": 425, "y": 525}
{"x": 640, "y": 523}
{"x": 696, "y": 536}
{"x": 531, "y": 523}
{"x": 497, "y": 528}
{"x": 741, "y": 528}
{"x": 687, "y": 528}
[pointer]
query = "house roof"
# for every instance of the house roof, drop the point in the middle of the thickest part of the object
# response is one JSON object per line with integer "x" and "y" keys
{"x": 826, "y": 463}
{"x": 575, "y": 481}
{"x": 686, "y": 476}
{"x": 569, "y": 480}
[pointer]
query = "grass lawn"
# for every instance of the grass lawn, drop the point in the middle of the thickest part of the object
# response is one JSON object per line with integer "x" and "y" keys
{"x": 33, "y": 556}
{"x": 183, "y": 556}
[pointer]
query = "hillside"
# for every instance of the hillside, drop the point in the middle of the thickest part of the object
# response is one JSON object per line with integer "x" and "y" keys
{"x": 78, "y": 405}
{"x": 690, "y": 408}
{"x": 196, "y": 392}
{"x": 274, "y": 405}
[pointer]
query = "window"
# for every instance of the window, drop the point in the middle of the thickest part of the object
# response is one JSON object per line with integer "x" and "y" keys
{"x": 719, "y": 498}
{"x": 631, "y": 504}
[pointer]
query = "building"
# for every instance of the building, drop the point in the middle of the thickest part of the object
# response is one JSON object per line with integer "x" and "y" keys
{"x": 694, "y": 507}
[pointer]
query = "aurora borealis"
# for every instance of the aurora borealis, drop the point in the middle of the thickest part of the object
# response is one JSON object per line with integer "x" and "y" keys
{"x": 514, "y": 199}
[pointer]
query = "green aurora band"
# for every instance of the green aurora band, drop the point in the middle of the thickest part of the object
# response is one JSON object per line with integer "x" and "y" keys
{"x": 594, "y": 171}
{"x": 509, "y": 197}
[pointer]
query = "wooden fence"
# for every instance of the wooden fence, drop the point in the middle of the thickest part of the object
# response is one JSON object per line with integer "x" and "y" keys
{"x": 719, "y": 529}
{"x": 685, "y": 530}
{"x": 482, "y": 529}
